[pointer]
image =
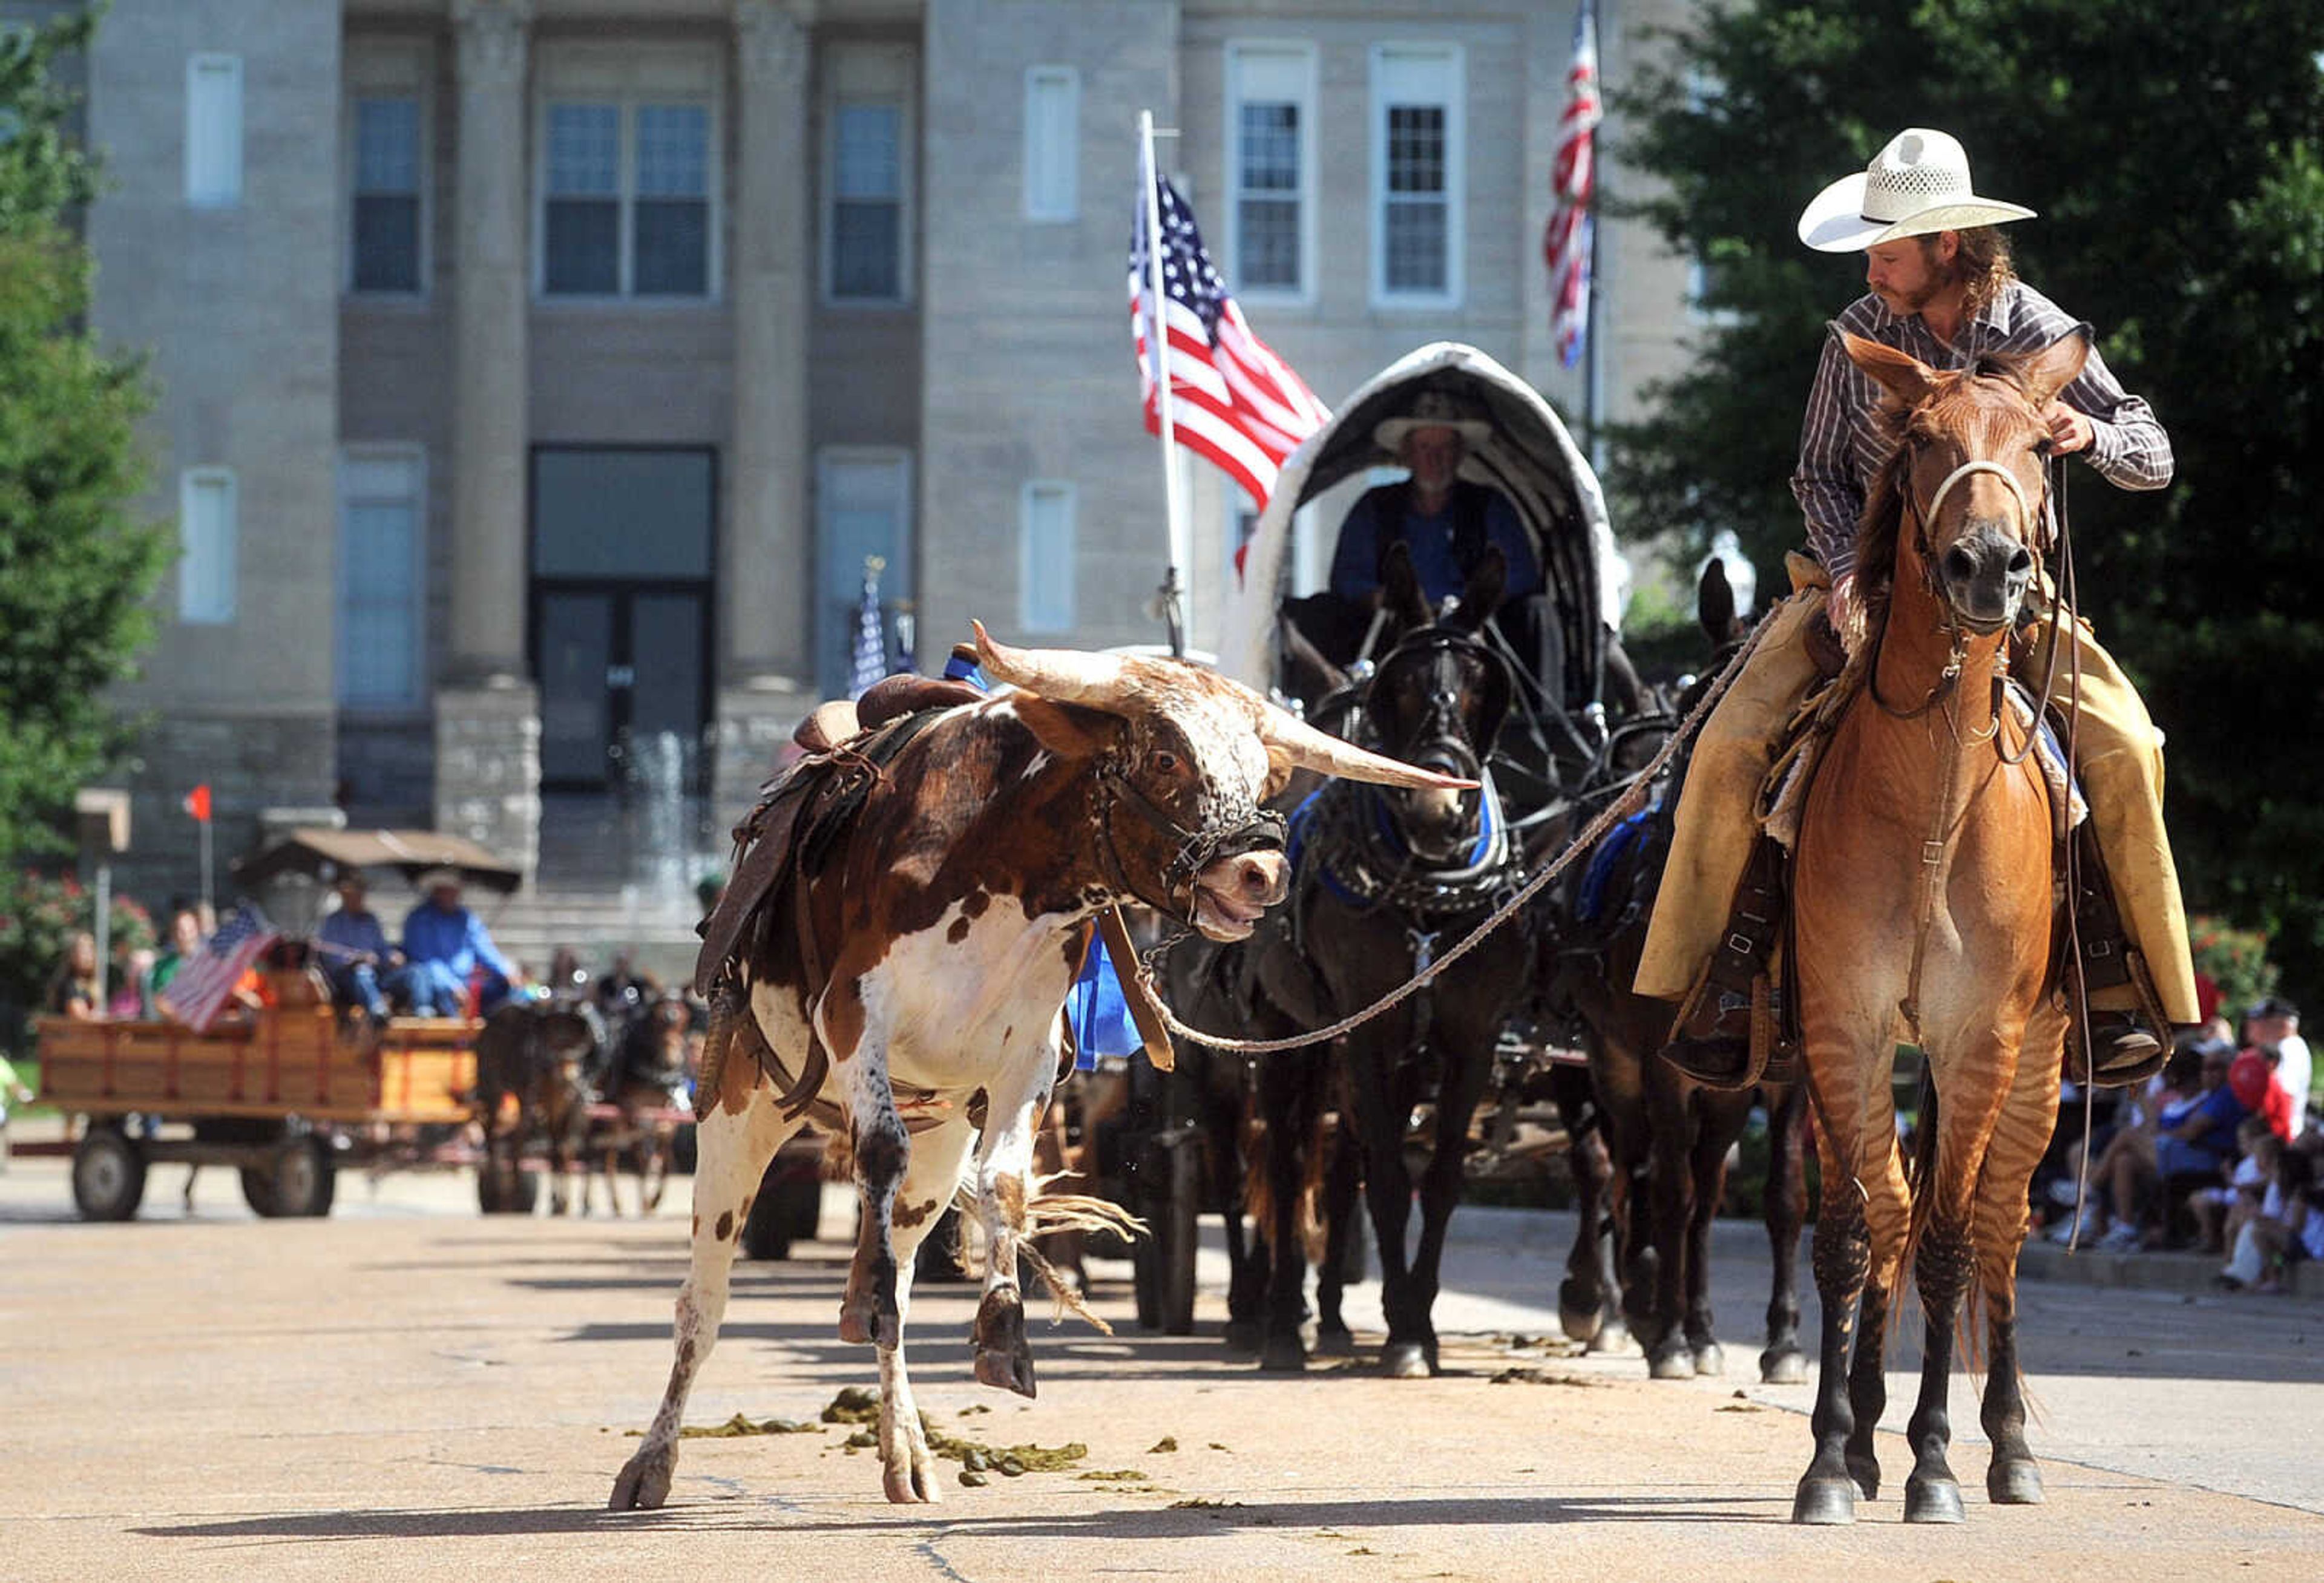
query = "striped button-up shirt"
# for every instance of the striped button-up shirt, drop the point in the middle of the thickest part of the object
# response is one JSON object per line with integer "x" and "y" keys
{"x": 1842, "y": 443}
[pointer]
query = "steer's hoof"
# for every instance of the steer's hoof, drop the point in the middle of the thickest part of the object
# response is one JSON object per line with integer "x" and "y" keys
{"x": 643, "y": 1484}
{"x": 855, "y": 1321}
{"x": 2014, "y": 1483}
{"x": 1782, "y": 1366}
{"x": 1404, "y": 1361}
{"x": 1008, "y": 1371}
{"x": 910, "y": 1487}
{"x": 1933, "y": 1500}
{"x": 1824, "y": 1501}
{"x": 1282, "y": 1354}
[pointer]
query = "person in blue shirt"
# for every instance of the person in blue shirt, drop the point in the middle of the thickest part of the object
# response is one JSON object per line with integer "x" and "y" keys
{"x": 446, "y": 944}
{"x": 1444, "y": 521}
{"x": 363, "y": 967}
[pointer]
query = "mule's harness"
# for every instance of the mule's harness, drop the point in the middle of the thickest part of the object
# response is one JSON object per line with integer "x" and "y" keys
{"x": 1620, "y": 808}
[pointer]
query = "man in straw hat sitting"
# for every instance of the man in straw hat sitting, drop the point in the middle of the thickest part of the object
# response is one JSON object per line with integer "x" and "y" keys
{"x": 1444, "y": 521}
{"x": 1944, "y": 291}
{"x": 448, "y": 946}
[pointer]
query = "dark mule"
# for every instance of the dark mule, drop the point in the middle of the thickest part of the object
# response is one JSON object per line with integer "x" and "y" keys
{"x": 1382, "y": 886}
{"x": 1668, "y": 1135}
{"x": 648, "y": 1080}
{"x": 537, "y": 1065}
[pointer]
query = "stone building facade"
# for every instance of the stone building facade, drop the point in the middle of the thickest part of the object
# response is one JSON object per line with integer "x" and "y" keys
{"x": 534, "y": 375}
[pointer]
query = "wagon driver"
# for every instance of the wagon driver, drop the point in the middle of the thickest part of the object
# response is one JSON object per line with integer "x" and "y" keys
{"x": 1444, "y": 521}
{"x": 447, "y": 945}
{"x": 1943, "y": 289}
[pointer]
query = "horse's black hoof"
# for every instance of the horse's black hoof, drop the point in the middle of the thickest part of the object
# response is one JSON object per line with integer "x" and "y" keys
{"x": 1333, "y": 1341}
{"x": 2016, "y": 1482}
{"x": 1710, "y": 1362}
{"x": 1404, "y": 1361}
{"x": 1282, "y": 1354}
{"x": 1933, "y": 1500}
{"x": 1672, "y": 1359}
{"x": 1580, "y": 1312}
{"x": 1782, "y": 1366}
{"x": 1243, "y": 1336}
{"x": 1867, "y": 1473}
{"x": 1824, "y": 1501}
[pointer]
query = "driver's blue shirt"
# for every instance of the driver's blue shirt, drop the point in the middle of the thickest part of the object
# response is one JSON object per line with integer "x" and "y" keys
{"x": 453, "y": 936}
{"x": 1355, "y": 565}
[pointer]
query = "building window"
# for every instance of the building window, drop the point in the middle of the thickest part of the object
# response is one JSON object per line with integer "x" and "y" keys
{"x": 383, "y": 504}
{"x": 213, "y": 130}
{"x": 1417, "y": 174}
{"x": 1270, "y": 158}
{"x": 1045, "y": 558}
{"x": 864, "y": 507}
{"x": 384, "y": 248}
{"x": 1053, "y": 108}
{"x": 206, "y": 532}
{"x": 867, "y": 255}
{"x": 629, "y": 173}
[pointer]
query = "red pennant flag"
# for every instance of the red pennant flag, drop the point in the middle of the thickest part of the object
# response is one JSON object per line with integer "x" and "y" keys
{"x": 198, "y": 803}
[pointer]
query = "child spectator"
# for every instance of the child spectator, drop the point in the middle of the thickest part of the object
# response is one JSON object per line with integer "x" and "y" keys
{"x": 2220, "y": 1211}
{"x": 72, "y": 991}
{"x": 2289, "y": 1227}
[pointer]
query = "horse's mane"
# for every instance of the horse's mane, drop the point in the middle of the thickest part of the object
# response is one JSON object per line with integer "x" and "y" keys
{"x": 1884, "y": 504}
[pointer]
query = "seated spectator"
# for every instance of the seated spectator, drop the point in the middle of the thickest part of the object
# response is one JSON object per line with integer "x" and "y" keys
{"x": 184, "y": 943}
{"x": 2220, "y": 1211}
{"x": 363, "y": 967}
{"x": 447, "y": 945}
{"x": 126, "y": 996}
{"x": 2125, "y": 1170}
{"x": 72, "y": 988}
{"x": 2289, "y": 1227}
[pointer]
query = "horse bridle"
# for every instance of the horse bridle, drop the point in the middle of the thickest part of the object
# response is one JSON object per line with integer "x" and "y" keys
{"x": 1955, "y": 628}
{"x": 1231, "y": 833}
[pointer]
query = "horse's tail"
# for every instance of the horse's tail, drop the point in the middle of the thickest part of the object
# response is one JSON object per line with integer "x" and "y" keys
{"x": 1920, "y": 1173}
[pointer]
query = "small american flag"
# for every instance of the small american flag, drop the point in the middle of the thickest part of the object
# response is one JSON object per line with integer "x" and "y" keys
{"x": 1573, "y": 183}
{"x": 1232, "y": 398}
{"x": 871, "y": 658}
{"x": 204, "y": 985}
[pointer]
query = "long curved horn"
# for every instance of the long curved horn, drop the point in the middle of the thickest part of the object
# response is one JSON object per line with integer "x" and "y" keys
{"x": 1310, "y": 749}
{"x": 1064, "y": 675}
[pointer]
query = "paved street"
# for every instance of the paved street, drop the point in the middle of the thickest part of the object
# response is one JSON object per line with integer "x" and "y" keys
{"x": 407, "y": 1390}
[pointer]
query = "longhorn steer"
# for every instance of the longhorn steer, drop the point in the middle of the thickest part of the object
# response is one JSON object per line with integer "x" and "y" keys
{"x": 929, "y": 956}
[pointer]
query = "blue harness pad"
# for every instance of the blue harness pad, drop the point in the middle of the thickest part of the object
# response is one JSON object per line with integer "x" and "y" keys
{"x": 1096, "y": 1012}
{"x": 1618, "y": 841}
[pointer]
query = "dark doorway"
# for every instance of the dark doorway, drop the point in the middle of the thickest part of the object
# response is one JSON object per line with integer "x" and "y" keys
{"x": 623, "y": 546}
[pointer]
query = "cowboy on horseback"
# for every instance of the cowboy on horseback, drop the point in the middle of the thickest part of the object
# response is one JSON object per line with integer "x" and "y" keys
{"x": 1942, "y": 289}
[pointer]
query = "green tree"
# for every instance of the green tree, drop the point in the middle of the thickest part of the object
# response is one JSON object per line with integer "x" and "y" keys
{"x": 77, "y": 562}
{"x": 2176, "y": 159}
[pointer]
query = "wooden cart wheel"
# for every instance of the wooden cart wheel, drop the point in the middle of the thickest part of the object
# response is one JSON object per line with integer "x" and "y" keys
{"x": 108, "y": 1174}
{"x": 306, "y": 1177}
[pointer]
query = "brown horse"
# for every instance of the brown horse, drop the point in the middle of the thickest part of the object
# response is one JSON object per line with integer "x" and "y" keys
{"x": 1924, "y": 910}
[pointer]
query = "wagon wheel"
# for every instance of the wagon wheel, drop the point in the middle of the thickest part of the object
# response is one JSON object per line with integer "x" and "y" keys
{"x": 108, "y": 1174}
{"x": 305, "y": 1177}
{"x": 258, "y": 1192}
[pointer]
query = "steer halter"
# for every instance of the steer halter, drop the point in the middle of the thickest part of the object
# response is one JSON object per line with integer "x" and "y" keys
{"x": 1229, "y": 837}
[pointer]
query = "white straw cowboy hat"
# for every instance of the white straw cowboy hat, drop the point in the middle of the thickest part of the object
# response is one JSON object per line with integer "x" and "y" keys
{"x": 1435, "y": 409}
{"x": 438, "y": 879}
{"x": 1918, "y": 184}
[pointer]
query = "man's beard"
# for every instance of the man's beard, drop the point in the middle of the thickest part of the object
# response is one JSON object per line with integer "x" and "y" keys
{"x": 1943, "y": 276}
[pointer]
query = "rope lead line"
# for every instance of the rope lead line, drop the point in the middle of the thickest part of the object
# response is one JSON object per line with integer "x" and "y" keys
{"x": 1620, "y": 808}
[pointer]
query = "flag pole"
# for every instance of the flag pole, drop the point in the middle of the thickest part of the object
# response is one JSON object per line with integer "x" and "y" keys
{"x": 1174, "y": 614}
{"x": 207, "y": 904}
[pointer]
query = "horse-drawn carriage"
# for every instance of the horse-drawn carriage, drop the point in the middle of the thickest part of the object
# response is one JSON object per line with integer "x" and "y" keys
{"x": 1536, "y": 700}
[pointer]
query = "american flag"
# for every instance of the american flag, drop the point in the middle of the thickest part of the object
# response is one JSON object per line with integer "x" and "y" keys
{"x": 203, "y": 986}
{"x": 1232, "y": 399}
{"x": 871, "y": 658}
{"x": 1574, "y": 182}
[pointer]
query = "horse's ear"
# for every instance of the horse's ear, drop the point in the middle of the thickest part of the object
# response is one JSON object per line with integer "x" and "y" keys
{"x": 2056, "y": 365}
{"x": 1489, "y": 579}
{"x": 1900, "y": 374}
{"x": 1714, "y": 600}
{"x": 1400, "y": 589}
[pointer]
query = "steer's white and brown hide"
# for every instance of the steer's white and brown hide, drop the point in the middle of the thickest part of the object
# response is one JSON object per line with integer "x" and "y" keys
{"x": 904, "y": 958}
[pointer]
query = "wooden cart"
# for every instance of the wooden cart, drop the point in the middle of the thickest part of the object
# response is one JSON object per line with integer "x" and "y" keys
{"x": 282, "y": 1096}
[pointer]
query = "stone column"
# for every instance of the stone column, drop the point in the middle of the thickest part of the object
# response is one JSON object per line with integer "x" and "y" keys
{"x": 488, "y": 715}
{"x": 765, "y": 617}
